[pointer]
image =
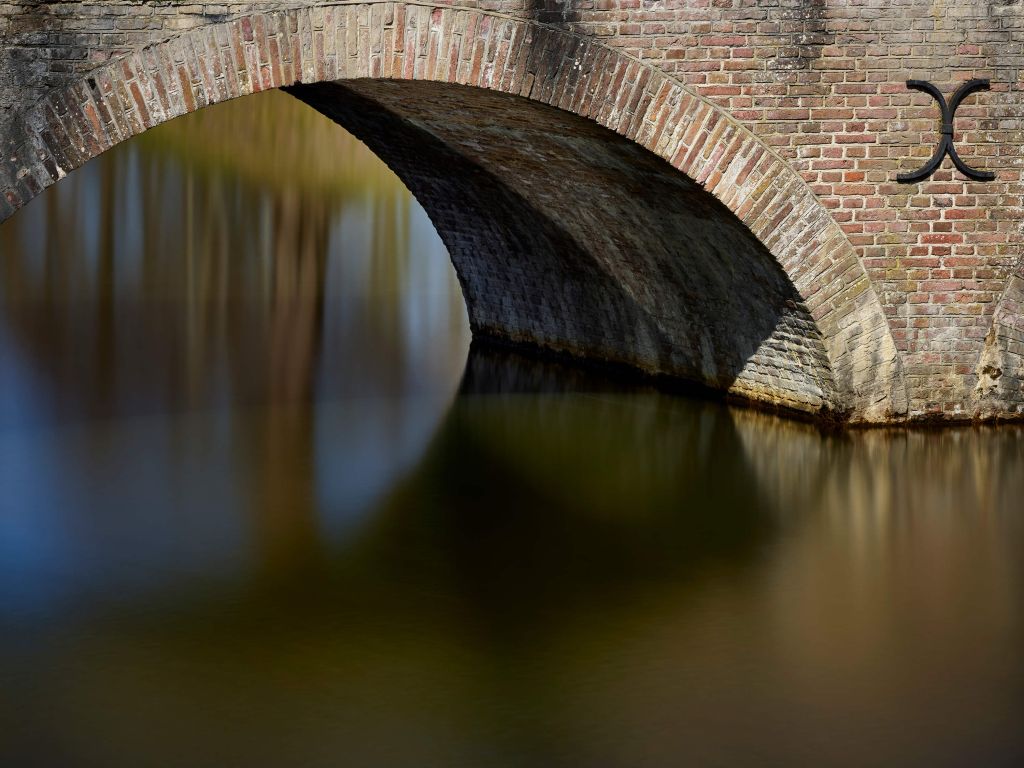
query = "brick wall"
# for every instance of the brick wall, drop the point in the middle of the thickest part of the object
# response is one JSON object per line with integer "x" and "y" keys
{"x": 821, "y": 84}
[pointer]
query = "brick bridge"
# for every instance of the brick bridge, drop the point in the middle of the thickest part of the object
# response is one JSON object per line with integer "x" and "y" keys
{"x": 704, "y": 189}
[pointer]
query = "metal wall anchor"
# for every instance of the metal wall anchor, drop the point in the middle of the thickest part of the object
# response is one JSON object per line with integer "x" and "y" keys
{"x": 946, "y": 142}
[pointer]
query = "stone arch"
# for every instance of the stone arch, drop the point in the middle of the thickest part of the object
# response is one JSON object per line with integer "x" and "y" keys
{"x": 473, "y": 48}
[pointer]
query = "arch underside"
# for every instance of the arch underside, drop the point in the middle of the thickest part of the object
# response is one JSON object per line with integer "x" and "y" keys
{"x": 569, "y": 237}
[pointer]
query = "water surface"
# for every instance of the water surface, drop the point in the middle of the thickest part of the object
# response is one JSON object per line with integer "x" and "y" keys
{"x": 260, "y": 505}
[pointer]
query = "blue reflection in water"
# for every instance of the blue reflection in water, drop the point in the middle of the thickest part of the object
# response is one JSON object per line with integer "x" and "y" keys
{"x": 191, "y": 359}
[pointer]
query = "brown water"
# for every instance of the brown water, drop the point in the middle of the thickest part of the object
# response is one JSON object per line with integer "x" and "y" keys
{"x": 257, "y": 509}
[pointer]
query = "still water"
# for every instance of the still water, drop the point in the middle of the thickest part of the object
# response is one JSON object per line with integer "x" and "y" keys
{"x": 260, "y": 505}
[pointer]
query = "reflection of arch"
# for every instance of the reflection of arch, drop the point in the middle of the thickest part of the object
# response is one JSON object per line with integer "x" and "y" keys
{"x": 852, "y": 367}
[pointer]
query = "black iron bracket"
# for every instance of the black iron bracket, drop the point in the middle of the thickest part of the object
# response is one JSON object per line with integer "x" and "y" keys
{"x": 946, "y": 142}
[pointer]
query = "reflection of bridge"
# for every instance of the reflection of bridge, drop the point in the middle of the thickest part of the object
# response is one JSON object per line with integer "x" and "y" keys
{"x": 722, "y": 208}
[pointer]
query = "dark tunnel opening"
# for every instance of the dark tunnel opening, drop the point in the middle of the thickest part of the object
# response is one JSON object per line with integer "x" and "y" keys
{"x": 570, "y": 238}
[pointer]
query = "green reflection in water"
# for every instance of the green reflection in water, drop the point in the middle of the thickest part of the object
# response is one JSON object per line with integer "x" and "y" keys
{"x": 255, "y": 512}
